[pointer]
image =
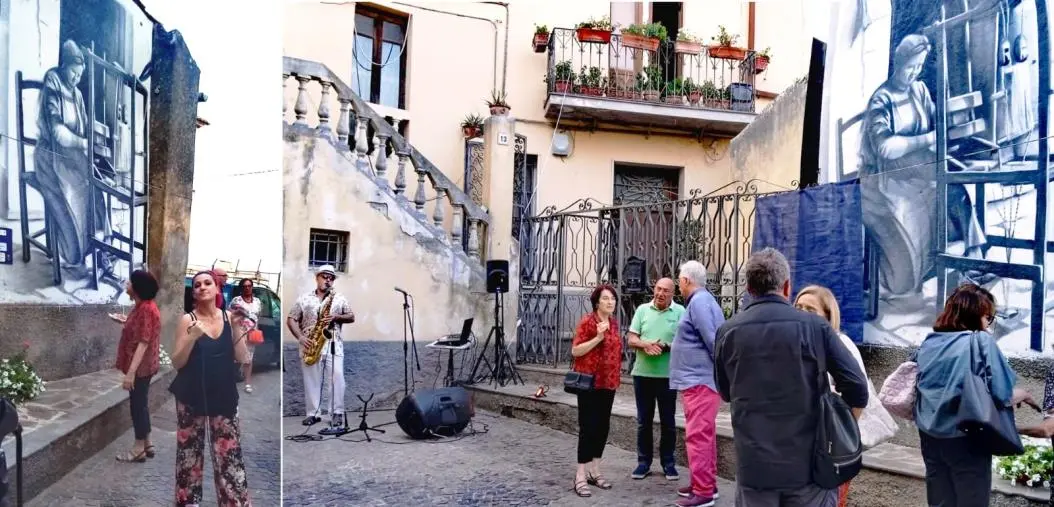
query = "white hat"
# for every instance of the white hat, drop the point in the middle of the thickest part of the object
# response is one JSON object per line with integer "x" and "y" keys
{"x": 327, "y": 269}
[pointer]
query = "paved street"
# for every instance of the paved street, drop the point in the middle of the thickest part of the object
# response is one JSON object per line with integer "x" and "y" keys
{"x": 513, "y": 463}
{"x": 102, "y": 481}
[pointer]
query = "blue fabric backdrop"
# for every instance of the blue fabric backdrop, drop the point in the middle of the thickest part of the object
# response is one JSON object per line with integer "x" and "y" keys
{"x": 820, "y": 230}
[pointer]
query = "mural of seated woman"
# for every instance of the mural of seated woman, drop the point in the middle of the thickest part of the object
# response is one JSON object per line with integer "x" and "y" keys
{"x": 898, "y": 178}
{"x": 63, "y": 167}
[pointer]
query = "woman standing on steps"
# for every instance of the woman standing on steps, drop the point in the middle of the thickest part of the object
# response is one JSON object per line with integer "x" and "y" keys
{"x": 139, "y": 358}
{"x": 206, "y": 393}
{"x": 596, "y": 350}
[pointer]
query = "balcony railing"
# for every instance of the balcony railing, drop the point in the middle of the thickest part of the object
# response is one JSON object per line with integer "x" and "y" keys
{"x": 651, "y": 71}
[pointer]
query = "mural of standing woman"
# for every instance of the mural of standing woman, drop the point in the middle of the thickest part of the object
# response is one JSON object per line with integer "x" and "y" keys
{"x": 898, "y": 178}
{"x": 64, "y": 168}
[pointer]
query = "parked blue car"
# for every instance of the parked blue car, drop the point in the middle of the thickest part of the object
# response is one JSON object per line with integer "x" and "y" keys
{"x": 268, "y": 353}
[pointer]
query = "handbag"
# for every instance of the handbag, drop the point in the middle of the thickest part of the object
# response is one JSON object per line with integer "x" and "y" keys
{"x": 988, "y": 425}
{"x": 876, "y": 424}
{"x": 255, "y": 337}
{"x": 900, "y": 389}
{"x": 837, "y": 451}
{"x": 576, "y": 382}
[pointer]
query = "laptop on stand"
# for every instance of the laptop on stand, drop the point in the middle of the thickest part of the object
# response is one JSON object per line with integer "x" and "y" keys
{"x": 458, "y": 339}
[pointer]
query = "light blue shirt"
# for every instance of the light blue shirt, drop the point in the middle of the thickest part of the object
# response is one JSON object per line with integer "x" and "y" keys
{"x": 944, "y": 362}
{"x": 692, "y": 352}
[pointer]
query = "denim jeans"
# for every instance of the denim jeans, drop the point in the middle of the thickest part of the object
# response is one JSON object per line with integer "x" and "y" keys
{"x": 651, "y": 391}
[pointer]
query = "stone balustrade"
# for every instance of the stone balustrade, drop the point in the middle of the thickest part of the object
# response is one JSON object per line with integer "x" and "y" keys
{"x": 376, "y": 147}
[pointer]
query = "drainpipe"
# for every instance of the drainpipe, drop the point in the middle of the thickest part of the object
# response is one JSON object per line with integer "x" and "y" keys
{"x": 505, "y": 58}
{"x": 494, "y": 73}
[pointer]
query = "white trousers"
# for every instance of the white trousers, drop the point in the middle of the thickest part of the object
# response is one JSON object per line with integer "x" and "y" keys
{"x": 333, "y": 372}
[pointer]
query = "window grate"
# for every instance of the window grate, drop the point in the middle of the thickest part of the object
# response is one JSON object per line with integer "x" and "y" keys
{"x": 328, "y": 247}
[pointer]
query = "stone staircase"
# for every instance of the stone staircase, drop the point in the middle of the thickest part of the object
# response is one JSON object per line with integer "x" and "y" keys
{"x": 893, "y": 474}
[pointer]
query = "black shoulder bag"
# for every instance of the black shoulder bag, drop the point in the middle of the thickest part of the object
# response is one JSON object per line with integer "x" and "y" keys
{"x": 988, "y": 425}
{"x": 837, "y": 452}
{"x": 576, "y": 382}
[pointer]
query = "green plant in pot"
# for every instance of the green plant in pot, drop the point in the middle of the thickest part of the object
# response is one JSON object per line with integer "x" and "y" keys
{"x": 563, "y": 77}
{"x": 653, "y": 83}
{"x": 761, "y": 60}
{"x": 541, "y": 38}
{"x": 687, "y": 43}
{"x": 725, "y": 46}
{"x": 591, "y": 81}
{"x": 675, "y": 91}
{"x": 644, "y": 37}
{"x": 472, "y": 126}
{"x": 594, "y": 31}
{"x": 693, "y": 91}
{"x": 497, "y": 103}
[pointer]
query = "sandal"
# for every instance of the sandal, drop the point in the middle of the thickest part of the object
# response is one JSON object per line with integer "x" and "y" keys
{"x": 598, "y": 481}
{"x": 582, "y": 489}
{"x": 129, "y": 457}
{"x": 150, "y": 451}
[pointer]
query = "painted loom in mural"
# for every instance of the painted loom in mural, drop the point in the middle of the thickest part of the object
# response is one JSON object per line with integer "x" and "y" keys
{"x": 75, "y": 81}
{"x": 942, "y": 113}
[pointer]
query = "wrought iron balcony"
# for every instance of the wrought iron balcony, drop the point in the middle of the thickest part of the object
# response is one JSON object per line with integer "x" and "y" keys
{"x": 650, "y": 83}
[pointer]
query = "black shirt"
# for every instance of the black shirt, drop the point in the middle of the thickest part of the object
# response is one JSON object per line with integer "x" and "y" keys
{"x": 214, "y": 393}
{"x": 768, "y": 360}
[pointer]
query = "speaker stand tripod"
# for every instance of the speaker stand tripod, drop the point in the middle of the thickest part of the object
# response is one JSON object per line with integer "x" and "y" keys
{"x": 363, "y": 427}
{"x": 503, "y": 370}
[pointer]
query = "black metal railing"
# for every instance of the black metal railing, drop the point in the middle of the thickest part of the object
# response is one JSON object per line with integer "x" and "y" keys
{"x": 564, "y": 254}
{"x": 651, "y": 71}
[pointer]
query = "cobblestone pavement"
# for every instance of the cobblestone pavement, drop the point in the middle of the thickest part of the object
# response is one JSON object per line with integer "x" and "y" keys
{"x": 102, "y": 481}
{"x": 513, "y": 463}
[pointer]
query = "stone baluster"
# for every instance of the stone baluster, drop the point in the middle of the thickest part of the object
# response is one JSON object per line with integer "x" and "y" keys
{"x": 381, "y": 165}
{"x": 400, "y": 173}
{"x": 439, "y": 213}
{"x": 323, "y": 128}
{"x": 300, "y": 108}
{"x": 362, "y": 160}
{"x": 419, "y": 196}
{"x": 456, "y": 226}
{"x": 473, "y": 238}
{"x": 344, "y": 123}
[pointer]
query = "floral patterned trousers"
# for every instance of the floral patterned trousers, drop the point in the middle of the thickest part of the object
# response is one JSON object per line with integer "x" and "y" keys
{"x": 232, "y": 488}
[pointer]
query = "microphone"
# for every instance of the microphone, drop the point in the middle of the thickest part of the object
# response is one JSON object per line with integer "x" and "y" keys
{"x": 403, "y": 291}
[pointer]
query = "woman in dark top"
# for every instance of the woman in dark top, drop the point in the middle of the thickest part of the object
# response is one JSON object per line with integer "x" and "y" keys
{"x": 139, "y": 358}
{"x": 596, "y": 350}
{"x": 206, "y": 395}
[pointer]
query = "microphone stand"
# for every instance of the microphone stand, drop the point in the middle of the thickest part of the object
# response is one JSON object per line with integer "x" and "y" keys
{"x": 408, "y": 318}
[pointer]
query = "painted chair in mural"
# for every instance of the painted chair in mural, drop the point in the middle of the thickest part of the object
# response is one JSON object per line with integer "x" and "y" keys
{"x": 116, "y": 173}
{"x": 956, "y": 120}
{"x": 27, "y": 179}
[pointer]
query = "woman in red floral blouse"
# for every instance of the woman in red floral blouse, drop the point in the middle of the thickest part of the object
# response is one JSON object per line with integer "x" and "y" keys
{"x": 596, "y": 350}
{"x": 139, "y": 358}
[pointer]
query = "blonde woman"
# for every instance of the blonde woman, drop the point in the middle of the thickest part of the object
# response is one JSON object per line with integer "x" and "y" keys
{"x": 876, "y": 425}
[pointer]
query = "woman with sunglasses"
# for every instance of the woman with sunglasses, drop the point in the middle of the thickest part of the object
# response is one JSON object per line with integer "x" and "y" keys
{"x": 206, "y": 395}
{"x": 247, "y": 306}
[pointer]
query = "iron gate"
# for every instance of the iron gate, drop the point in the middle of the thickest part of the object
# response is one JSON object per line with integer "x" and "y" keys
{"x": 565, "y": 253}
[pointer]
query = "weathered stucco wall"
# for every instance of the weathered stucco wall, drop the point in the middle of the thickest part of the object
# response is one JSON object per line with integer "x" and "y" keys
{"x": 389, "y": 247}
{"x": 770, "y": 147}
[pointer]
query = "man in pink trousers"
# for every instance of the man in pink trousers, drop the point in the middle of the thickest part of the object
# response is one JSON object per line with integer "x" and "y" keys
{"x": 692, "y": 373}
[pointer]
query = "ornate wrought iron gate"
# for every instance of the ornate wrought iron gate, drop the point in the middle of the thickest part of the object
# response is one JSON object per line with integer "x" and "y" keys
{"x": 565, "y": 253}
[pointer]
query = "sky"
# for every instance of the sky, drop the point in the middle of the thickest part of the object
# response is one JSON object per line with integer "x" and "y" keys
{"x": 237, "y": 45}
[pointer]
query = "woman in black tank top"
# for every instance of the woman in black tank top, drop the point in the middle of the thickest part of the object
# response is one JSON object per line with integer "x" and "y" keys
{"x": 206, "y": 395}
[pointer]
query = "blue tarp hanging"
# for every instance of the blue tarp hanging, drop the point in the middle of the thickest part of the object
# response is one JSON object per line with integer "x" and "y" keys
{"x": 820, "y": 231}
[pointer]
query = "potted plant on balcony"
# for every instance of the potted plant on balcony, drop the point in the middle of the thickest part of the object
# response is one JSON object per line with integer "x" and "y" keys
{"x": 472, "y": 126}
{"x": 725, "y": 48}
{"x": 595, "y": 31}
{"x": 675, "y": 92}
{"x": 761, "y": 60}
{"x": 591, "y": 81}
{"x": 693, "y": 91}
{"x": 687, "y": 43}
{"x": 541, "y": 38}
{"x": 563, "y": 77}
{"x": 497, "y": 103}
{"x": 653, "y": 83}
{"x": 644, "y": 37}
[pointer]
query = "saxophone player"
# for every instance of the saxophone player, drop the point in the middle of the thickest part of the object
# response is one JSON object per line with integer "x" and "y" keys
{"x": 301, "y": 320}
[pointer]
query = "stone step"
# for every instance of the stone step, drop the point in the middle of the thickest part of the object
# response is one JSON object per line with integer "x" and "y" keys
{"x": 891, "y": 472}
{"x": 73, "y": 419}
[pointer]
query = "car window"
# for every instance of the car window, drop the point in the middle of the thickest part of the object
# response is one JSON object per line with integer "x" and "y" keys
{"x": 265, "y": 302}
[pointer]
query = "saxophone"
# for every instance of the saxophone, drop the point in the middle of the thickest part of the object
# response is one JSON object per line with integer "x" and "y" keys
{"x": 319, "y": 335}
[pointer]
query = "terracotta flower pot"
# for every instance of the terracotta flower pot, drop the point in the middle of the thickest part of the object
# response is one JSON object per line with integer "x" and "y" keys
{"x": 471, "y": 132}
{"x": 562, "y": 86}
{"x": 677, "y": 100}
{"x": 687, "y": 48}
{"x": 760, "y": 64}
{"x": 540, "y": 42}
{"x": 593, "y": 36}
{"x": 726, "y": 52}
{"x": 651, "y": 95}
{"x": 499, "y": 110}
{"x": 640, "y": 42}
{"x": 694, "y": 96}
{"x": 592, "y": 91}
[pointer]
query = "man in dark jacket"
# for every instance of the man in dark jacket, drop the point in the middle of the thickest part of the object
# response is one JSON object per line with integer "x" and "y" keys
{"x": 767, "y": 365}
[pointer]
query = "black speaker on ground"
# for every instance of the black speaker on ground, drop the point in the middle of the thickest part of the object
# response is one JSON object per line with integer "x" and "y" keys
{"x": 444, "y": 412}
{"x": 497, "y": 276}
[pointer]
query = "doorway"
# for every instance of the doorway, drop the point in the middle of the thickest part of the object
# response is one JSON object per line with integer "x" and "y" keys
{"x": 669, "y": 14}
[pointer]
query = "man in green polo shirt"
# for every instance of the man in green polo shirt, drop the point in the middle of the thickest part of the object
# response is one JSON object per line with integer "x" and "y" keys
{"x": 651, "y": 333}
